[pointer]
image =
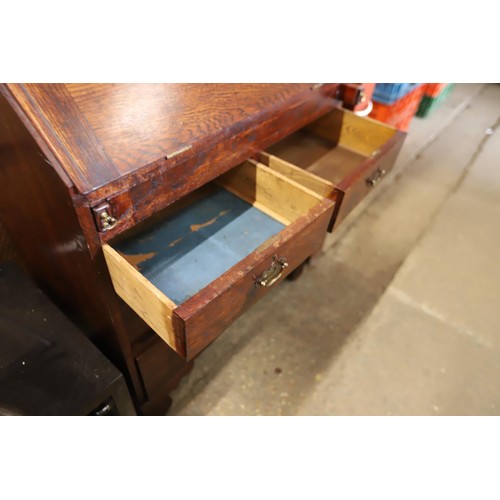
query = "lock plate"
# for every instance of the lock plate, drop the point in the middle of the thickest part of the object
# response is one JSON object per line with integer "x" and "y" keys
{"x": 103, "y": 218}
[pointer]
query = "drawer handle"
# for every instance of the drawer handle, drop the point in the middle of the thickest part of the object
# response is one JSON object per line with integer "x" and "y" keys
{"x": 376, "y": 177}
{"x": 270, "y": 276}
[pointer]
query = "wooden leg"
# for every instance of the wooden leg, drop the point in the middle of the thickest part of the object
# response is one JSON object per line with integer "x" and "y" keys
{"x": 161, "y": 369}
{"x": 162, "y": 401}
{"x": 298, "y": 271}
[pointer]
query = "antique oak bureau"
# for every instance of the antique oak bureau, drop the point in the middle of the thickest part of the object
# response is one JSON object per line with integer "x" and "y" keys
{"x": 155, "y": 215}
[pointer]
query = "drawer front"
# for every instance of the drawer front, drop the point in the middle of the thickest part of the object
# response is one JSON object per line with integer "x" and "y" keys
{"x": 366, "y": 178}
{"x": 342, "y": 154}
{"x": 191, "y": 273}
{"x": 208, "y": 314}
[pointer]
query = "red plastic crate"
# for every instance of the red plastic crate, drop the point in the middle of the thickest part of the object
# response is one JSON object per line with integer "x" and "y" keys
{"x": 434, "y": 89}
{"x": 400, "y": 113}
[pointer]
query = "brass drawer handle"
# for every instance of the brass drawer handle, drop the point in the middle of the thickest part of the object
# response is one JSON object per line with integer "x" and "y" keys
{"x": 270, "y": 276}
{"x": 376, "y": 177}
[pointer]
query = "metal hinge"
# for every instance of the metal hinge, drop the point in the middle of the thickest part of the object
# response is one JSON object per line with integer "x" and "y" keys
{"x": 103, "y": 218}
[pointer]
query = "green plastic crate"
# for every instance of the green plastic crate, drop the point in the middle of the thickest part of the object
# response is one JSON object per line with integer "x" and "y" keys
{"x": 429, "y": 104}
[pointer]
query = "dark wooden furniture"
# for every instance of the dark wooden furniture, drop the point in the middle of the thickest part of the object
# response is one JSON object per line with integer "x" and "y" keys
{"x": 89, "y": 172}
{"x": 47, "y": 366}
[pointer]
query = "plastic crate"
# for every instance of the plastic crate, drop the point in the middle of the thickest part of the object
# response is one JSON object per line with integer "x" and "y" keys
{"x": 429, "y": 104}
{"x": 389, "y": 93}
{"x": 434, "y": 89}
{"x": 400, "y": 113}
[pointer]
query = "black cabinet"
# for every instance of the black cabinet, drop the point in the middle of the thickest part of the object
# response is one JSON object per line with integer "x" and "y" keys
{"x": 47, "y": 366}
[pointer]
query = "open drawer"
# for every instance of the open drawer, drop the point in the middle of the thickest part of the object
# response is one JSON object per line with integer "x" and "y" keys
{"x": 341, "y": 156}
{"x": 197, "y": 266}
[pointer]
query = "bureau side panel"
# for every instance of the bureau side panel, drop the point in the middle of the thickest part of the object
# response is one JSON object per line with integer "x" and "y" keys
{"x": 39, "y": 214}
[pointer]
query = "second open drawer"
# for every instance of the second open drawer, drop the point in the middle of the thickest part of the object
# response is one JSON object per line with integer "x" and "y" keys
{"x": 341, "y": 156}
{"x": 195, "y": 268}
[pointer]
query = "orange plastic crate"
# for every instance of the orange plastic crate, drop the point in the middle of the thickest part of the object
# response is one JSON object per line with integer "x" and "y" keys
{"x": 400, "y": 113}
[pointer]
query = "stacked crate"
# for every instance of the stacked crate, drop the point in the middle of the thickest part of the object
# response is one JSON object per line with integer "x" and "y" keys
{"x": 434, "y": 95}
{"x": 396, "y": 103}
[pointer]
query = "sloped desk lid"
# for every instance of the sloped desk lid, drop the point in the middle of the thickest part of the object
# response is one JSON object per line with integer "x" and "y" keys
{"x": 102, "y": 133}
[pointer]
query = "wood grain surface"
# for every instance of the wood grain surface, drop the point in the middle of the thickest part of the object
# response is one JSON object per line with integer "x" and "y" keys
{"x": 342, "y": 149}
{"x": 212, "y": 310}
{"x": 140, "y": 123}
{"x": 233, "y": 289}
{"x": 46, "y": 223}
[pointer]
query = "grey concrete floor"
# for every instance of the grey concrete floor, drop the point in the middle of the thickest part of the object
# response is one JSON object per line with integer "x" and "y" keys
{"x": 400, "y": 314}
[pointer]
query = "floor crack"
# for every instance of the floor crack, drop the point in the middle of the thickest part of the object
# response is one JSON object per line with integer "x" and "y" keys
{"x": 429, "y": 311}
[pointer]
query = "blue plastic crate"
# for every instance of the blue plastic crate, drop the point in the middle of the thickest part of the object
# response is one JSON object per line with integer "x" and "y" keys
{"x": 389, "y": 93}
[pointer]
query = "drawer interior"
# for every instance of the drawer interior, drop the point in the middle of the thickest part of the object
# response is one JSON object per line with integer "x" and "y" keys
{"x": 334, "y": 145}
{"x": 161, "y": 264}
{"x": 187, "y": 250}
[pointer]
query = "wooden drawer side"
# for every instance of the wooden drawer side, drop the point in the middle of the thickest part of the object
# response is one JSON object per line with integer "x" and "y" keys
{"x": 203, "y": 260}
{"x": 154, "y": 307}
{"x": 309, "y": 180}
{"x": 218, "y": 305}
{"x": 341, "y": 156}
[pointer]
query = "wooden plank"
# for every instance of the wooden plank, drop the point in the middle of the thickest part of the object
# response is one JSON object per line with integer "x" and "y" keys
{"x": 328, "y": 126}
{"x": 354, "y": 186}
{"x": 210, "y": 312}
{"x": 302, "y": 148}
{"x": 146, "y": 300}
{"x": 144, "y": 123}
{"x": 307, "y": 179}
{"x": 359, "y": 134}
{"x": 364, "y": 135}
{"x": 272, "y": 190}
{"x": 186, "y": 251}
{"x": 55, "y": 116}
{"x": 150, "y": 188}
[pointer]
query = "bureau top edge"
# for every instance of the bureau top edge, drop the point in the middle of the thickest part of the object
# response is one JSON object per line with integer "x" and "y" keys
{"x": 109, "y": 137}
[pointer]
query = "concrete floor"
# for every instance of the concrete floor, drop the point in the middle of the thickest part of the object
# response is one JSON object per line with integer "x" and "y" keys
{"x": 400, "y": 314}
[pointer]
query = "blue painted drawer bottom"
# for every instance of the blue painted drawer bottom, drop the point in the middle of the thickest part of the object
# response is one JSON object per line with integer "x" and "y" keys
{"x": 188, "y": 250}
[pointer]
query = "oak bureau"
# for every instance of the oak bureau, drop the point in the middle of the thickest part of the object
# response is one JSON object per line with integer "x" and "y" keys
{"x": 156, "y": 214}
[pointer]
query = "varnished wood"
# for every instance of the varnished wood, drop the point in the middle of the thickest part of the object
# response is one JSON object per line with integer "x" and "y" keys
{"x": 139, "y": 124}
{"x": 292, "y": 203}
{"x": 354, "y": 187}
{"x": 66, "y": 149}
{"x": 341, "y": 151}
{"x": 156, "y": 363}
{"x": 46, "y": 223}
{"x": 219, "y": 304}
{"x": 63, "y": 128}
{"x": 100, "y": 133}
{"x": 142, "y": 147}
